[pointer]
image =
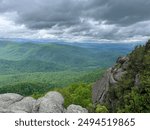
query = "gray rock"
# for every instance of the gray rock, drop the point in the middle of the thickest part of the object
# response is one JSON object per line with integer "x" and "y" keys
{"x": 76, "y": 109}
{"x": 118, "y": 74}
{"x": 122, "y": 60}
{"x": 52, "y": 102}
{"x": 100, "y": 88}
{"x": 23, "y": 106}
{"x": 119, "y": 70}
{"x": 125, "y": 65}
{"x": 110, "y": 79}
{"x": 4, "y": 110}
{"x": 8, "y": 99}
{"x": 137, "y": 80}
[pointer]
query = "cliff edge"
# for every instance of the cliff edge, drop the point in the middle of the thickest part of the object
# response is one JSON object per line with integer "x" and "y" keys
{"x": 126, "y": 86}
{"x": 110, "y": 78}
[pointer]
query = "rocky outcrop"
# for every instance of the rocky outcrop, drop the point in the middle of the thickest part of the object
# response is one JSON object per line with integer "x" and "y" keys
{"x": 52, "y": 102}
{"x": 110, "y": 78}
{"x": 101, "y": 87}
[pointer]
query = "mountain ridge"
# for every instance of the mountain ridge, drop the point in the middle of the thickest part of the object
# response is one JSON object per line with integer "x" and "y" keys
{"x": 63, "y": 56}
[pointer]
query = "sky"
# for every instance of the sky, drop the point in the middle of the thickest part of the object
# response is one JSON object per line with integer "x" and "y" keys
{"x": 76, "y": 20}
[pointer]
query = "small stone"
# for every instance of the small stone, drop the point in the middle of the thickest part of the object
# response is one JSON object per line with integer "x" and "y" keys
{"x": 76, "y": 109}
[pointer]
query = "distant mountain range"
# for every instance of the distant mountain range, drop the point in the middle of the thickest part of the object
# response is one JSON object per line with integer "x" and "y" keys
{"x": 30, "y": 57}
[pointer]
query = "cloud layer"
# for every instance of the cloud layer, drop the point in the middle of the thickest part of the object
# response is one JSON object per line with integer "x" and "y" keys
{"x": 76, "y": 20}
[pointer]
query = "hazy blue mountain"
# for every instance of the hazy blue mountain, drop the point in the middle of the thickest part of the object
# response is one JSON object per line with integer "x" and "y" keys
{"x": 31, "y": 57}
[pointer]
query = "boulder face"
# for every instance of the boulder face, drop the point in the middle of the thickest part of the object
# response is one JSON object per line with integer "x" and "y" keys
{"x": 101, "y": 87}
{"x": 52, "y": 102}
{"x": 23, "y": 106}
{"x": 7, "y": 100}
{"x": 110, "y": 78}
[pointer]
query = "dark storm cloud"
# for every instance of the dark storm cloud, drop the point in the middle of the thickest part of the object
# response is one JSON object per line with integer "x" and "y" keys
{"x": 91, "y": 18}
{"x": 121, "y": 12}
{"x": 127, "y": 12}
{"x": 44, "y": 13}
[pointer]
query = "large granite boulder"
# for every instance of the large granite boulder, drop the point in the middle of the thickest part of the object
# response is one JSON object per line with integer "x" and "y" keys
{"x": 23, "y": 106}
{"x": 52, "y": 102}
{"x": 8, "y": 99}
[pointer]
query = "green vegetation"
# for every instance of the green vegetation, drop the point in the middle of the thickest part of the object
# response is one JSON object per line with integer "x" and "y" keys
{"x": 34, "y": 69}
{"x": 132, "y": 93}
{"x": 31, "y": 83}
{"x": 101, "y": 109}
{"x": 28, "y": 66}
{"x": 80, "y": 94}
{"x": 76, "y": 87}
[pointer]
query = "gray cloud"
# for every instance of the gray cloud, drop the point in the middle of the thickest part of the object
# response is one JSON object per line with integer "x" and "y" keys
{"x": 127, "y": 12}
{"x": 93, "y": 19}
{"x": 44, "y": 14}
